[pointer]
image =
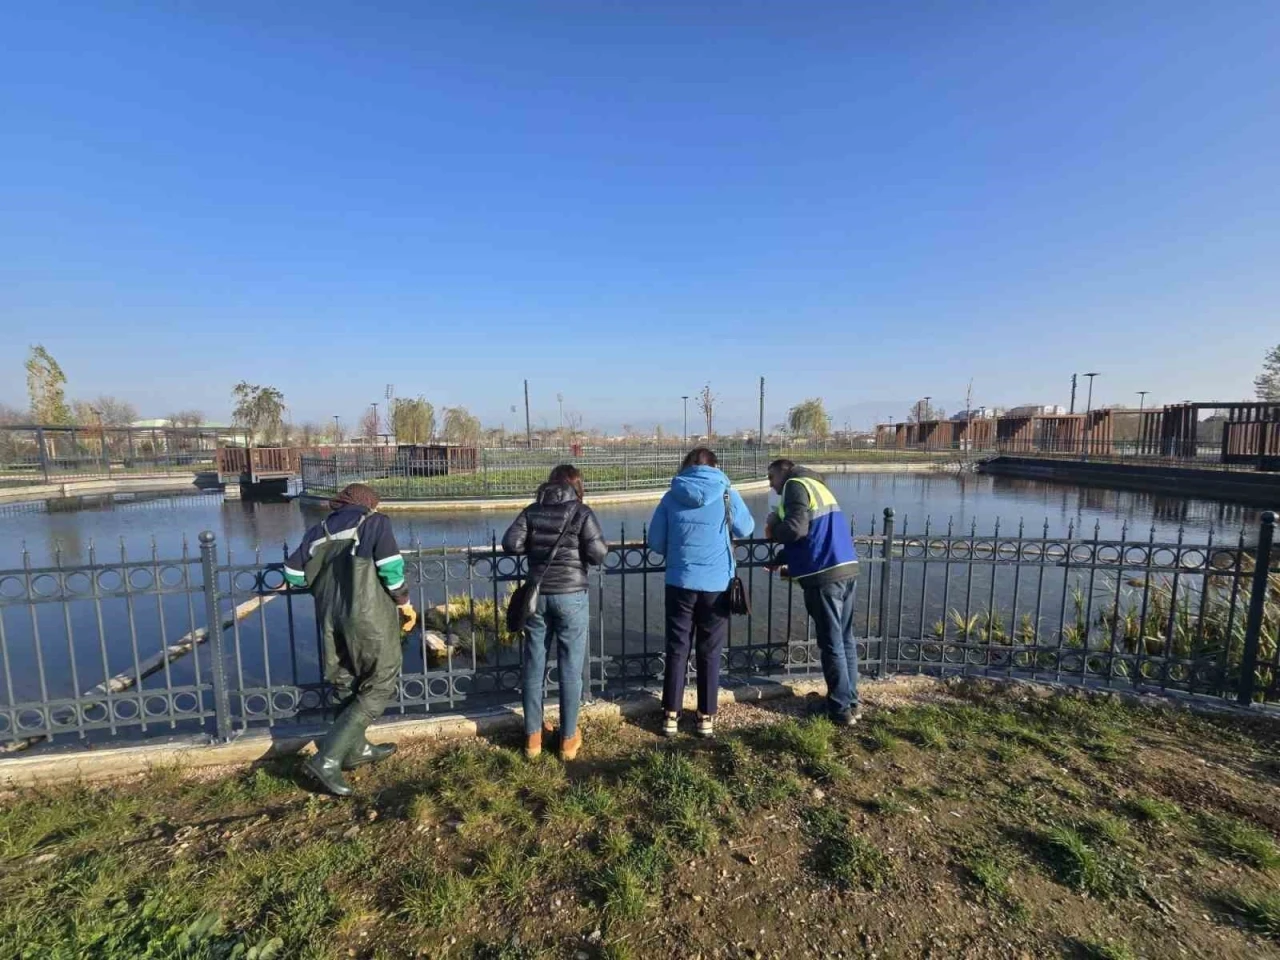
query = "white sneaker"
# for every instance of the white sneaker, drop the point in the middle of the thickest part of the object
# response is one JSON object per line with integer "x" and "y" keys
{"x": 706, "y": 726}
{"x": 671, "y": 725}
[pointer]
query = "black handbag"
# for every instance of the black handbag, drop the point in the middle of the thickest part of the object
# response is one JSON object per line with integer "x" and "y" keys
{"x": 736, "y": 596}
{"x": 524, "y": 598}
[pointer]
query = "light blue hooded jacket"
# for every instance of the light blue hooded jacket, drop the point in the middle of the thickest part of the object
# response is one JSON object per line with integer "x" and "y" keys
{"x": 688, "y": 529}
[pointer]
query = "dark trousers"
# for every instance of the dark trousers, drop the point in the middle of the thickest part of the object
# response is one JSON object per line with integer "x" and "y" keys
{"x": 693, "y": 615}
{"x": 831, "y": 607}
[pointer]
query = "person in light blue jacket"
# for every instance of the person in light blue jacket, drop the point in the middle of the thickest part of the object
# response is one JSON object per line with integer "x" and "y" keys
{"x": 692, "y": 528}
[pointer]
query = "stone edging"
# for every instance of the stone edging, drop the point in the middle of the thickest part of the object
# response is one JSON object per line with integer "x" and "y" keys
{"x": 109, "y": 763}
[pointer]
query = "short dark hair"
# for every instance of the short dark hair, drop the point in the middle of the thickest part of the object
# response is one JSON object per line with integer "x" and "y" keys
{"x": 699, "y": 457}
{"x": 782, "y": 466}
{"x": 567, "y": 475}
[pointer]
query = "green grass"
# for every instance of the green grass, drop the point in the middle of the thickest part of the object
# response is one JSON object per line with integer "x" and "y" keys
{"x": 1242, "y": 841}
{"x": 1152, "y": 810}
{"x": 1082, "y": 867}
{"x": 992, "y": 873}
{"x": 433, "y": 897}
{"x": 1259, "y": 909}
{"x": 842, "y": 856}
{"x": 465, "y": 850}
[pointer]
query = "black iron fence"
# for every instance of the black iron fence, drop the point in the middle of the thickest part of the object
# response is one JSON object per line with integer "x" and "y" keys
{"x": 410, "y": 475}
{"x": 207, "y": 642}
{"x": 33, "y": 455}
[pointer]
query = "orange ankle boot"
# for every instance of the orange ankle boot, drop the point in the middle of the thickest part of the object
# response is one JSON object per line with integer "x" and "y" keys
{"x": 533, "y": 745}
{"x": 570, "y": 747}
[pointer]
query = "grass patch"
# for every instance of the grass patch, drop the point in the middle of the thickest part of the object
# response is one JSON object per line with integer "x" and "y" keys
{"x": 1152, "y": 810}
{"x": 753, "y": 781}
{"x": 1258, "y": 909}
{"x": 842, "y": 856}
{"x": 1103, "y": 827}
{"x": 433, "y": 897}
{"x": 681, "y": 795}
{"x": 1242, "y": 841}
{"x": 1081, "y": 867}
{"x": 811, "y": 742}
{"x": 879, "y": 739}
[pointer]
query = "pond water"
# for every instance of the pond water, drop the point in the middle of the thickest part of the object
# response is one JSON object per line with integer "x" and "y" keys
{"x": 57, "y": 649}
{"x": 964, "y": 501}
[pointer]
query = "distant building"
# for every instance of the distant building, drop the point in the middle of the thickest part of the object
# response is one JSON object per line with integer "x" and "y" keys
{"x": 1038, "y": 410}
{"x": 980, "y": 413}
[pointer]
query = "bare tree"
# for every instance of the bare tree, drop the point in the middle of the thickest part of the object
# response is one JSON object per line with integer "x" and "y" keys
{"x": 707, "y": 404}
{"x": 369, "y": 424}
{"x": 187, "y": 418}
{"x": 573, "y": 423}
{"x": 109, "y": 411}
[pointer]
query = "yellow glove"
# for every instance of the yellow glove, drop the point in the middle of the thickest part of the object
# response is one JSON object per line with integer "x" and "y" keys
{"x": 408, "y": 617}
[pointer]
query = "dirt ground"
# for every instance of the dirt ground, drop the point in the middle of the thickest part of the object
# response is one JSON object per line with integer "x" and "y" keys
{"x": 962, "y": 820}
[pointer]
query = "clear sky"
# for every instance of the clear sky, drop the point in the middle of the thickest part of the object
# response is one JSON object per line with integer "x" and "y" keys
{"x": 621, "y": 201}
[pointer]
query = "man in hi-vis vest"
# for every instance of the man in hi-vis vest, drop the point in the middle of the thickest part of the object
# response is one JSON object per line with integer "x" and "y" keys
{"x": 817, "y": 548}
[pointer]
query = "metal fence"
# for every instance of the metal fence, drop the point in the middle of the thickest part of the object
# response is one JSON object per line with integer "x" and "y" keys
{"x": 31, "y": 455}
{"x": 398, "y": 475}
{"x": 207, "y": 642}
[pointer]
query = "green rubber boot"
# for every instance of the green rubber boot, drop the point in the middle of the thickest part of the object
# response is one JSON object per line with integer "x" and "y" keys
{"x": 365, "y": 752}
{"x": 325, "y": 768}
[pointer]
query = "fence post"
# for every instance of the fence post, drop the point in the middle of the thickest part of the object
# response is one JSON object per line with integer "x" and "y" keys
{"x": 44, "y": 453}
{"x": 1257, "y": 604}
{"x": 626, "y": 470}
{"x": 484, "y": 469}
{"x": 217, "y": 661}
{"x": 886, "y": 552}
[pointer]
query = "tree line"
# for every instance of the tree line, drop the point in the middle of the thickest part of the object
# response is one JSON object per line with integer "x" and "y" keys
{"x": 47, "y": 402}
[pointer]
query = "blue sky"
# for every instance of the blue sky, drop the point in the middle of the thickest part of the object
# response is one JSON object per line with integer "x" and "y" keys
{"x": 863, "y": 201}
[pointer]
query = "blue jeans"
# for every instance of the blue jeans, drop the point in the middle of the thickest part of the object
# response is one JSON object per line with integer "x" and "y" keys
{"x": 831, "y": 607}
{"x": 564, "y": 619}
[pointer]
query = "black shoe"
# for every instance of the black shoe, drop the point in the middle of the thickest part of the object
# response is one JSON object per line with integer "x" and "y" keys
{"x": 846, "y": 718}
{"x": 366, "y": 752}
{"x": 327, "y": 772}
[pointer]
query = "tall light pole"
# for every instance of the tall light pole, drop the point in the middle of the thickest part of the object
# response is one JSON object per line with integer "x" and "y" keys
{"x": 337, "y": 431}
{"x": 1088, "y": 409}
{"x": 685, "y": 441}
{"x": 560, "y": 400}
{"x": 1142, "y": 400}
{"x": 375, "y": 422}
{"x": 528, "y": 423}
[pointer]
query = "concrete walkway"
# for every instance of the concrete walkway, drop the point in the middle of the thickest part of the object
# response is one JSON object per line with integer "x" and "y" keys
{"x": 147, "y": 483}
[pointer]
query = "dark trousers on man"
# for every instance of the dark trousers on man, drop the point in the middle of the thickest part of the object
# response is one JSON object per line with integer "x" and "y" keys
{"x": 699, "y": 621}
{"x": 831, "y": 608}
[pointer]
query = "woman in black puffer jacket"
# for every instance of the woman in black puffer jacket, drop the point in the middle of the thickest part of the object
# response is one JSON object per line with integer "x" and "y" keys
{"x": 563, "y": 614}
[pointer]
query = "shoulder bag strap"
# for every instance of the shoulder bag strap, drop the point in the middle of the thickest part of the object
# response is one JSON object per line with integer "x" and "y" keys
{"x": 728, "y": 533}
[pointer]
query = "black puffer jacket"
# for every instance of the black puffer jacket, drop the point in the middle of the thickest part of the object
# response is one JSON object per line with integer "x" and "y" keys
{"x": 535, "y": 530}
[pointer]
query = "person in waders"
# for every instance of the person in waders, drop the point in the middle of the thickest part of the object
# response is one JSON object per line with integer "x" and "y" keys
{"x": 352, "y": 566}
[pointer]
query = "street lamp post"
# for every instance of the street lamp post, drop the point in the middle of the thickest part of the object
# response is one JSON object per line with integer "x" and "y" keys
{"x": 1142, "y": 402}
{"x": 375, "y": 424}
{"x": 1088, "y": 410}
{"x": 337, "y": 431}
{"x": 685, "y": 441}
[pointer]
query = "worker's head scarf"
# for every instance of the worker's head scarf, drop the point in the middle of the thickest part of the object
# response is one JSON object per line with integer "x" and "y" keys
{"x": 355, "y": 494}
